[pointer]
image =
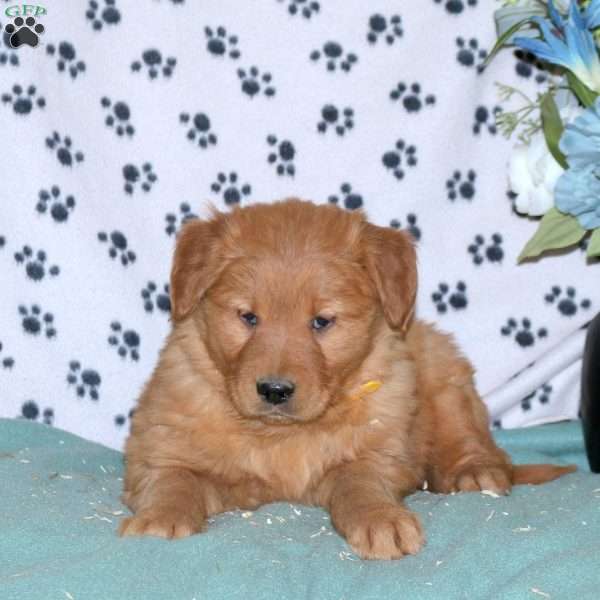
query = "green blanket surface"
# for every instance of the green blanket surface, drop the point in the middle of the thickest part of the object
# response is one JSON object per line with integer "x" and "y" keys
{"x": 59, "y": 511}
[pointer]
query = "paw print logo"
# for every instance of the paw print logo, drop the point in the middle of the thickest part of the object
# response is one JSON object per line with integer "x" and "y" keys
{"x": 457, "y": 299}
{"x": 107, "y": 14}
{"x": 8, "y": 362}
{"x": 525, "y": 65}
{"x": 411, "y": 97}
{"x": 253, "y": 82}
{"x": 470, "y": 54}
{"x": 411, "y": 226}
{"x": 542, "y": 395}
{"x": 481, "y": 251}
{"x": 118, "y": 247}
{"x": 145, "y": 176}
{"x": 340, "y": 120}
{"x": 118, "y": 116}
{"x": 334, "y": 58}
{"x": 282, "y": 156}
{"x": 7, "y": 57}
{"x": 302, "y": 7}
{"x": 231, "y": 190}
{"x": 200, "y": 130}
{"x": 31, "y": 411}
{"x": 175, "y": 222}
{"x": 402, "y": 155}
{"x": 152, "y": 298}
{"x": 566, "y": 300}
{"x": 34, "y": 321}
{"x": 152, "y": 61}
{"x": 127, "y": 342}
{"x": 120, "y": 420}
{"x": 219, "y": 43}
{"x": 461, "y": 186}
{"x": 65, "y": 154}
{"x": 486, "y": 119}
{"x": 23, "y": 101}
{"x": 67, "y": 59}
{"x": 455, "y": 7}
{"x": 379, "y": 27}
{"x": 86, "y": 381}
{"x": 350, "y": 199}
{"x": 24, "y": 32}
{"x": 523, "y": 333}
{"x": 60, "y": 208}
{"x": 35, "y": 263}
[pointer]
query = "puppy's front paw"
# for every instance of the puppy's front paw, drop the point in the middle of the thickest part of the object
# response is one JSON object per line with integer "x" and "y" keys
{"x": 383, "y": 532}
{"x": 474, "y": 478}
{"x": 168, "y": 524}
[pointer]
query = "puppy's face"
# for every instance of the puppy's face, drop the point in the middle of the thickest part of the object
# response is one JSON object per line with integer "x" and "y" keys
{"x": 287, "y": 335}
{"x": 288, "y": 297}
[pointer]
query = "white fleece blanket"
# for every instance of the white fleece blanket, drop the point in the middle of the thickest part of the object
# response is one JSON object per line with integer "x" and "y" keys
{"x": 128, "y": 117}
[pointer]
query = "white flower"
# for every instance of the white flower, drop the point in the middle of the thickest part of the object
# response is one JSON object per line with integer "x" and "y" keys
{"x": 533, "y": 172}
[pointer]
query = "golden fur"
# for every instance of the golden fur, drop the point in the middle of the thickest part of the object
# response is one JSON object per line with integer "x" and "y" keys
{"x": 203, "y": 440}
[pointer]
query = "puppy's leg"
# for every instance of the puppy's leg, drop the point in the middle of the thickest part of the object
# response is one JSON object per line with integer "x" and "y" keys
{"x": 169, "y": 503}
{"x": 364, "y": 508}
{"x": 463, "y": 455}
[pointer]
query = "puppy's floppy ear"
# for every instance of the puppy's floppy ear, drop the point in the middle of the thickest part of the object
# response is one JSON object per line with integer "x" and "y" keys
{"x": 194, "y": 265}
{"x": 392, "y": 264}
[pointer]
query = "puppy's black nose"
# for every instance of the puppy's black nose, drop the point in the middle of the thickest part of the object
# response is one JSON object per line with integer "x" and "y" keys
{"x": 275, "y": 391}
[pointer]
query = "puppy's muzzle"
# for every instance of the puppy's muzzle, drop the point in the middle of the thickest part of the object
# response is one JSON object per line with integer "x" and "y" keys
{"x": 274, "y": 390}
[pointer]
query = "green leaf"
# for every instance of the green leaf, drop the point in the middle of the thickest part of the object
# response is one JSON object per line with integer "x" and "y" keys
{"x": 586, "y": 96}
{"x": 556, "y": 230}
{"x": 593, "y": 248}
{"x": 503, "y": 39}
{"x": 552, "y": 126}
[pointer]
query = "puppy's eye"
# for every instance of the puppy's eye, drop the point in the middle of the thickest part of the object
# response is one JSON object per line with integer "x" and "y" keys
{"x": 320, "y": 323}
{"x": 249, "y": 318}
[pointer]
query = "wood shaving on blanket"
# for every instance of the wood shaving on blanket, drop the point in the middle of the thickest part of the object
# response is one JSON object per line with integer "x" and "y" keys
{"x": 490, "y": 493}
{"x": 320, "y": 532}
{"x": 540, "y": 593}
{"x": 524, "y": 529}
{"x": 96, "y": 516}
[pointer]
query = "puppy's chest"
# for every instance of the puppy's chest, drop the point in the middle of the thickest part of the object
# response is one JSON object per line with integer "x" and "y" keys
{"x": 286, "y": 467}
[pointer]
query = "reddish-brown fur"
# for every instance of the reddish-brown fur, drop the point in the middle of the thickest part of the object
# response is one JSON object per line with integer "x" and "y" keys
{"x": 202, "y": 439}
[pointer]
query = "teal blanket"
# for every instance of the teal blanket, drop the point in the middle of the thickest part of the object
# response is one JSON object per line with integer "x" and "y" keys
{"x": 59, "y": 510}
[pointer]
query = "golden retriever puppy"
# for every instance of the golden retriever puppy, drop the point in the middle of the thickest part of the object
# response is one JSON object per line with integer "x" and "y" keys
{"x": 295, "y": 371}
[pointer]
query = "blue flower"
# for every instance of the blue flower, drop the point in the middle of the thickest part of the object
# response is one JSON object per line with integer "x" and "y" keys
{"x": 567, "y": 43}
{"x": 591, "y": 15}
{"x": 577, "y": 193}
{"x": 580, "y": 141}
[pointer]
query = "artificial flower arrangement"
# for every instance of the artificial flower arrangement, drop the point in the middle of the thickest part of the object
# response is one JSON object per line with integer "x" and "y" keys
{"x": 555, "y": 170}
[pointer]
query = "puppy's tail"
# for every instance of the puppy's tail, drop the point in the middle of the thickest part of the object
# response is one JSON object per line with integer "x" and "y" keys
{"x": 537, "y": 474}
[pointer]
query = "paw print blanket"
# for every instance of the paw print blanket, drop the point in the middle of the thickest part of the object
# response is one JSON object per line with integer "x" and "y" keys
{"x": 120, "y": 120}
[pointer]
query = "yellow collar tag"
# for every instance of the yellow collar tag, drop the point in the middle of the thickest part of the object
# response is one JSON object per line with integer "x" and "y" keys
{"x": 371, "y": 386}
{"x": 368, "y": 388}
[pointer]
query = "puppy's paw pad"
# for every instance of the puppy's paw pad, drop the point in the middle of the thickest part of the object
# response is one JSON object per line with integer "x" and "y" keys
{"x": 165, "y": 525}
{"x": 386, "y": 533}
{"x": 476, "y": 478}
